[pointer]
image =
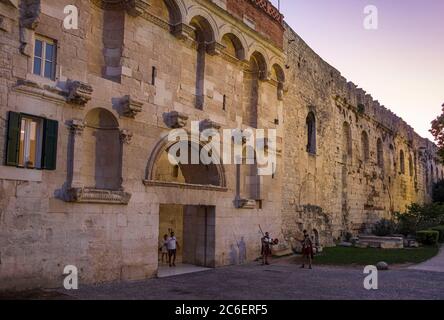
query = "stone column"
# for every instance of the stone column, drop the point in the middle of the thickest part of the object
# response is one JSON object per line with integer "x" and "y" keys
{"x": 76, "y": 129}
{"x": 126, "y": 137}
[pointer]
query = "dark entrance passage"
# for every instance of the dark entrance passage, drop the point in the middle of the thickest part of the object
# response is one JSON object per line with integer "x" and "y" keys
{"x": 194, "y": 228}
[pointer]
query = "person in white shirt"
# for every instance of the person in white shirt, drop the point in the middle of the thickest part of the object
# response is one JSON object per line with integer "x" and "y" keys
{"x": 172, "y": 249}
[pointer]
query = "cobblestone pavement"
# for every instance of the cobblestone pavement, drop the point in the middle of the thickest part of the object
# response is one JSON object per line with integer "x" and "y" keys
{"x": 282, "y": 280}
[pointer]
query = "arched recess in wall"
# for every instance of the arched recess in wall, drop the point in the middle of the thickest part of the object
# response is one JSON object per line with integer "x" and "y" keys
{"x": 410, "y": 165}
{"x": 278, "y": 75}
{"x": 256, "y": 71}
{"x": 102, "y": 152}
{"x": 233, "y": 46}
{"x": 380, "y": 153}
{"x": 167, "y": 10}
{"x": 161, "y": 171}
{"x": 203, "y": 35}
{"x": 402, "y": 161}
{"x": 347, "y": 146}
{"x": 311, "y": 132}
{"x": 365, "y": 146}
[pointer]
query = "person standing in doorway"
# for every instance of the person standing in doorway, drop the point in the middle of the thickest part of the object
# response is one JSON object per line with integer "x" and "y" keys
{"x": 307, "y": 250}
{"x": 164, "y": 249}
{"x": 172, "y": 249}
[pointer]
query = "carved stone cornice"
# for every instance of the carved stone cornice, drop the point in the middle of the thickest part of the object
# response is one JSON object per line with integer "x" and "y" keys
{"x": 214, "y": 48}
{"x": 182, "y": 31}
{"x": 136, "y": 7}
{"x": 30, "y": 14}
{"x": 208, "y": 124}
{"x": 76, "y": 126}
{"x": 78, "y": 92}
{"x": 126, "y": 136}
{"x": 245, "y": 204}
{"x": 91, "y": 195}
{"x": 133, "y": 7}
{"x": 175, "y": 120}
{"x": 130, "y": 106}
{"x": 48, "y": 92}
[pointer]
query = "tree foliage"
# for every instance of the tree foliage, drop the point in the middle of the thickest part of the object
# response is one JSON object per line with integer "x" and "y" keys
{"x": 438, "y": 133}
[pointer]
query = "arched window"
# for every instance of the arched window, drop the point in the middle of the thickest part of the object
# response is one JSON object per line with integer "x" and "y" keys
{"x": 365, "y": 146}
{"x": 410, "y": 165}
{"x": 311, "y": 133}
{"x": 402, "y": 162}
{"x": 347, "y": 140}
{"x": 380, "y": 153}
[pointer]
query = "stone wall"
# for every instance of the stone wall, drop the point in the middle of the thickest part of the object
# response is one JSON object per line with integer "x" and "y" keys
{"x": 139, "y": 77}
{"x": 338, "y": 190}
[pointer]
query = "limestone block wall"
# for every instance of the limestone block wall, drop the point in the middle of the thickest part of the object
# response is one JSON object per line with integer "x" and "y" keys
{"x": 43, "y": 227}
{"x": 134, "y": 68}
{"x": 339, "y": 189}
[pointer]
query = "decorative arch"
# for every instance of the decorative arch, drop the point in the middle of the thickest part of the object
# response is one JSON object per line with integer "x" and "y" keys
{"x": 176, "y": 10}
{"x": 278, "y": 73}
{"x": 161, "y": 148}
{"x": 259, "y": 51}
{"x": 204, "y": 30}
{"x": 228, "y": 29}
{"x": 233, "y": 46}
{"x": 258, "y": 64}
{"x": 201, "y": 14}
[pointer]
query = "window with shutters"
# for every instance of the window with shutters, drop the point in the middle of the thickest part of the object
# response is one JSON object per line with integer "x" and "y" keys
{"x": 32, "y": 142}
{"x": 44, "y": 61}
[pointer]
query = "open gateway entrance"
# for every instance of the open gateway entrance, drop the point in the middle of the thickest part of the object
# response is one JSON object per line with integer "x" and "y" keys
{"x": 194, "y": 228}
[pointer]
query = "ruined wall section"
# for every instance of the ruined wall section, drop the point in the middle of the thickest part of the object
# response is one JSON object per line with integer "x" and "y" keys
{"x": 338, "y": 191}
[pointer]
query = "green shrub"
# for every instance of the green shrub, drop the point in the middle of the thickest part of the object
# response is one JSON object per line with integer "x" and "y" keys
{"x": 440, "y": 229}
{"x": 438, "y": 192}
{"x": 428, "y": 237}
{"x": 384, "y": 228}
{"x": 420, "y": 217}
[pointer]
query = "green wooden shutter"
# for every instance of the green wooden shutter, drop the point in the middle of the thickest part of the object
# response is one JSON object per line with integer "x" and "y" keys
{"x": 49, "y": 152}
{"x": 12, "y": 144}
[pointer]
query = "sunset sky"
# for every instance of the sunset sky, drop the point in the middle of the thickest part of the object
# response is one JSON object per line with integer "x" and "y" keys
{"x": 401, "y": 64}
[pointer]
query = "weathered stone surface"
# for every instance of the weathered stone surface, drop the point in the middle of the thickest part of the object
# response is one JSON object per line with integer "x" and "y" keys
{"x": 110, "y": 232}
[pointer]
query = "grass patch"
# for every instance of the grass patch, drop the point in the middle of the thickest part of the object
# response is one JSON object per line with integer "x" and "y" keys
{"x": 371, "y": 256}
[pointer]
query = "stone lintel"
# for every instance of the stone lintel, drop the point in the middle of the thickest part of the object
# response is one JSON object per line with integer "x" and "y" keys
{"x": 91, "y": 195}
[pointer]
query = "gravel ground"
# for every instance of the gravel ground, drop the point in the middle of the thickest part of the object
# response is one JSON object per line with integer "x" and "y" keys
{"x": 283, "y": 280}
